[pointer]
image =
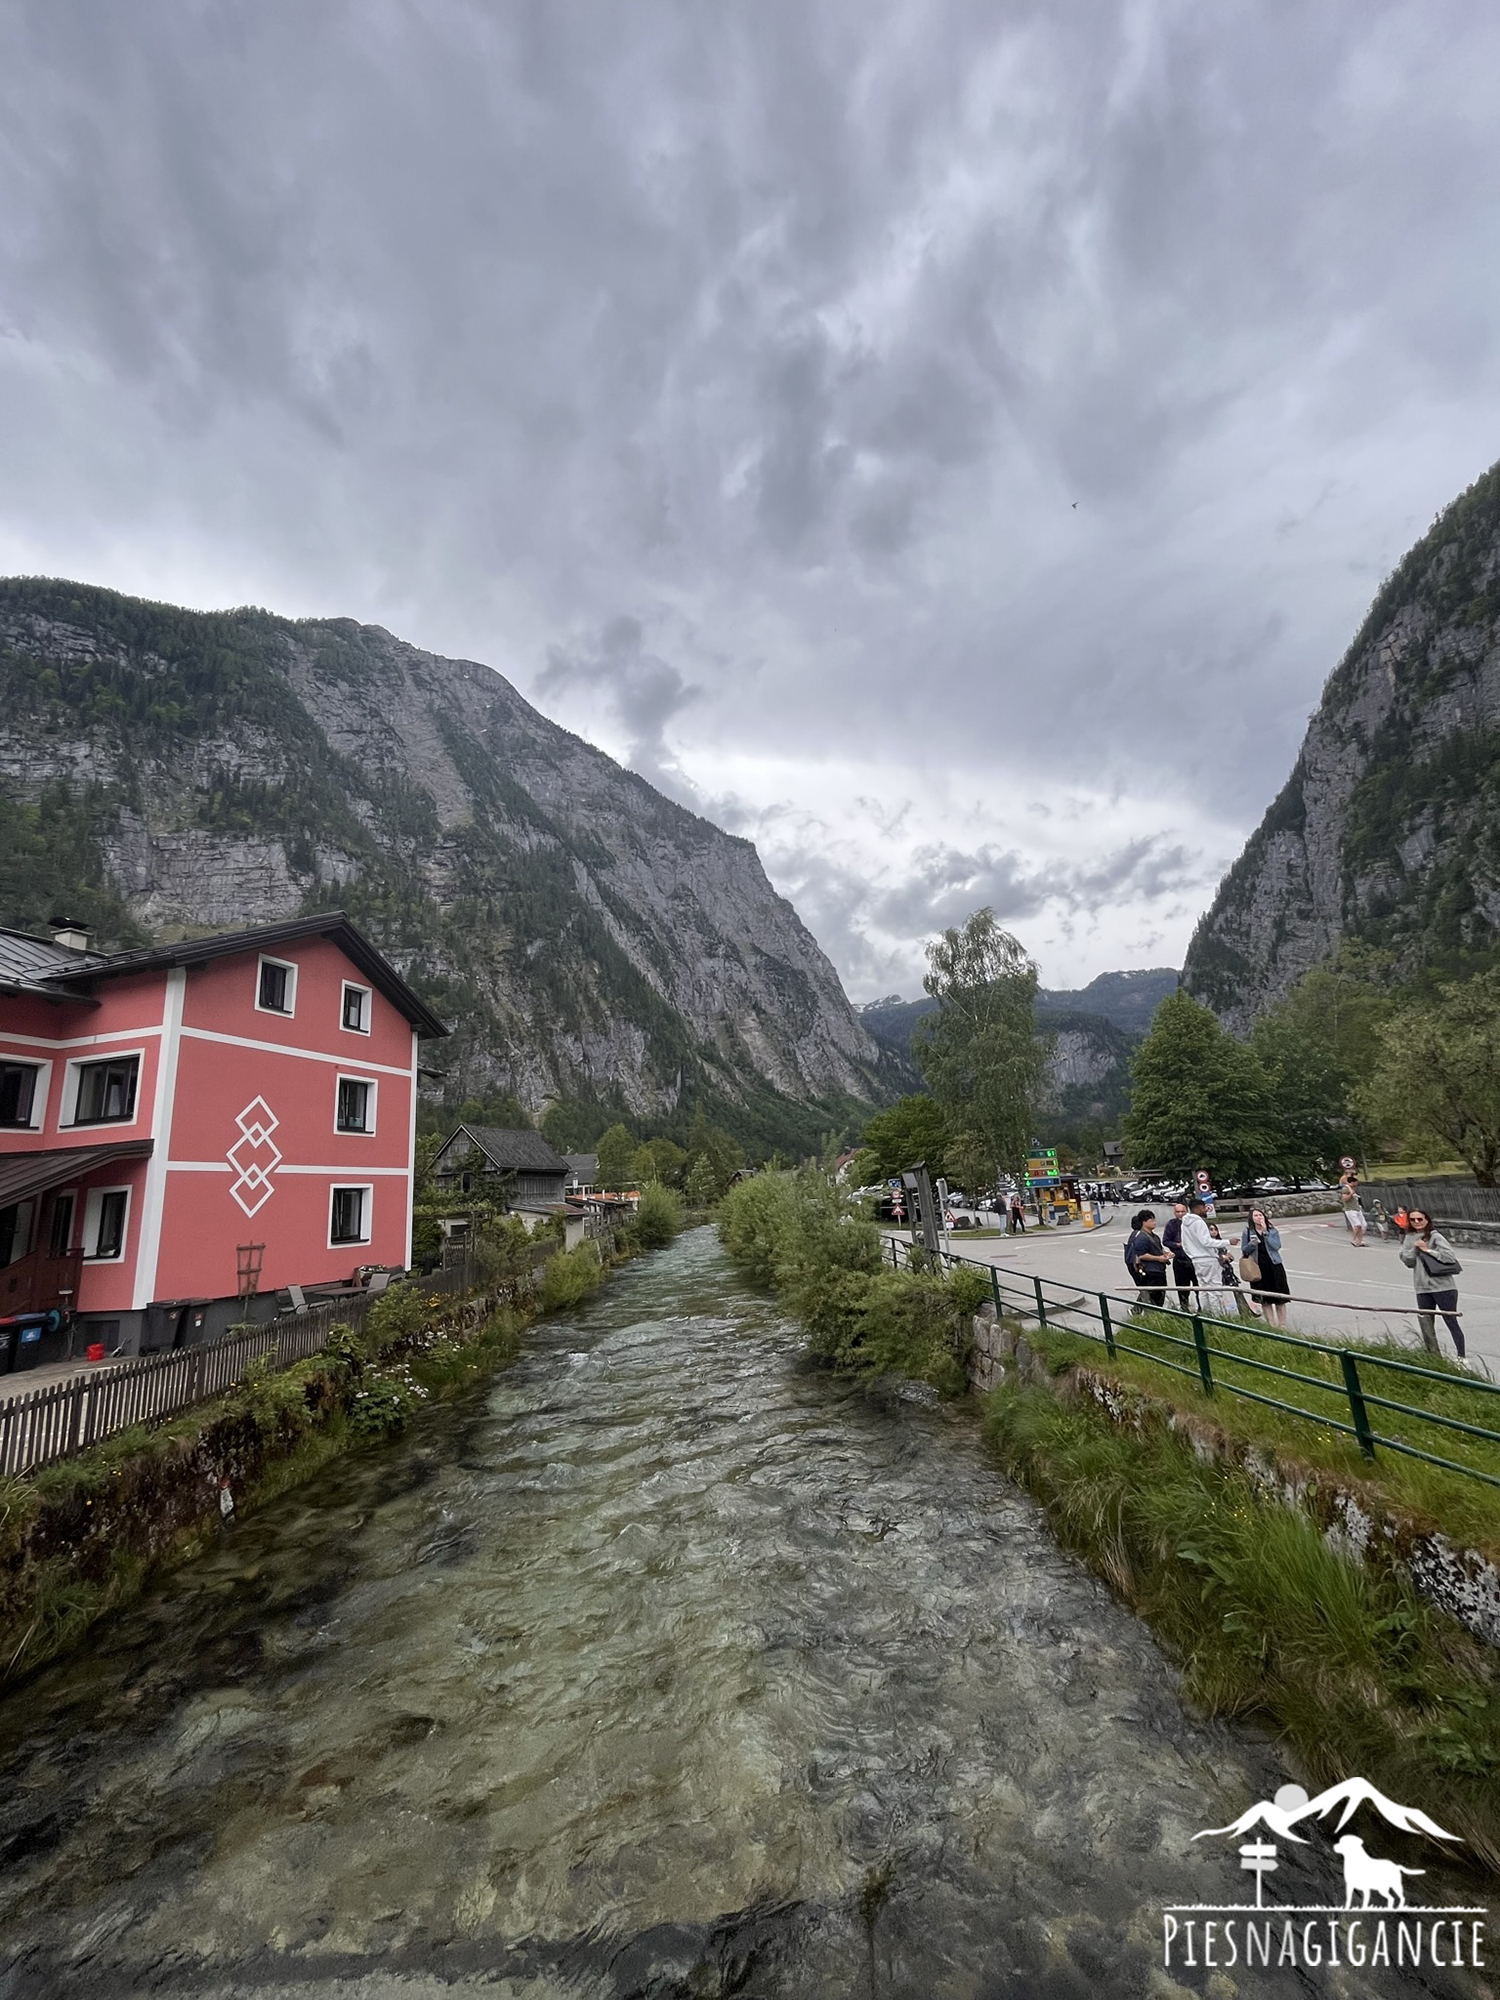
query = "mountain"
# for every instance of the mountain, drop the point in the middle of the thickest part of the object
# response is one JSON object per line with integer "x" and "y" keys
{"x": 1095, "y": 1029}
{"x": 1123, "y": 1000}
{"x": 1388, "y": 829}
{"x": 1088, "y": 1073}
{"x": 166, "y": 772}
{"x": 1127, "y": 999}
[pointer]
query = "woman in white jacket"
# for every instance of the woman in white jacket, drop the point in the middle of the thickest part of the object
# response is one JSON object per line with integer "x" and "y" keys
{"x": 1434, "y": 1266}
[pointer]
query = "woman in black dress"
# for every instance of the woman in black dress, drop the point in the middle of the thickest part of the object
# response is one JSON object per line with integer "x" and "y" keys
{"x": 1261, "y": 1239}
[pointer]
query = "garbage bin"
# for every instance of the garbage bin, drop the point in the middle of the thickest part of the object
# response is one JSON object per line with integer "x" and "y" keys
{"x": 7, "y": 1349}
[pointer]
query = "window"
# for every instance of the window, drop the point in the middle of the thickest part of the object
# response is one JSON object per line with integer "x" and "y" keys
{"x": 60, "y": 1228}
{"x": 106, "y": 1091}
{"x": 356, "y": 1105}
{"x": 17, "y": 1093}
{"x": 105, "y": 1214}
{"x": 356, "y": 1008}
{"x": 276, "y": 990}
{"x": 349, "y": 1216}
{"x": 15, "y": 1231}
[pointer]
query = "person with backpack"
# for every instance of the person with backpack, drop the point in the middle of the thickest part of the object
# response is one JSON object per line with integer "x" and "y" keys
{"x": 1433, "y": 1267}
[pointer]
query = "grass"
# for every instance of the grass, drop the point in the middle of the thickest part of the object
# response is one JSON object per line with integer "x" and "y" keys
{"x": 1462, "y": 1506}
{"x": 1352, "y": 1668}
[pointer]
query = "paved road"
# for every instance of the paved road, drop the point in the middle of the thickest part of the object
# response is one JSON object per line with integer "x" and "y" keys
{"x": 1322, "y": 1263}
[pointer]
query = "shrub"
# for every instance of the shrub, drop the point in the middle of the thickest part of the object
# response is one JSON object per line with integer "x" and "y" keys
{"x": 382, "y": 1406}
{"x": 346, "y": 1347}
{"x": 799, "y": 1234}
{"x": 395, "y": 1316}
{"x": 500, "y": 1251}
{"x": 658, "y": 1217}
{"x": 570, "y": 1276}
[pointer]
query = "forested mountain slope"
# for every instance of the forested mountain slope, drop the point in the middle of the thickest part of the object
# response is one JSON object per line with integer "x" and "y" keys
{"x": 1388, "y": 829}
{"x": 166, "y": 771}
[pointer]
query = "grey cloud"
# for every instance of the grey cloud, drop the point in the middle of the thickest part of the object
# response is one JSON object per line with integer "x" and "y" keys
{"x": 644, "y": 692}
{"x": 796, "y": 329}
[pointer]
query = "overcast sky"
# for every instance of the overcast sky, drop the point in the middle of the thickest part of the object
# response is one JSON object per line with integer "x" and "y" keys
{"x": 950, "y": 443}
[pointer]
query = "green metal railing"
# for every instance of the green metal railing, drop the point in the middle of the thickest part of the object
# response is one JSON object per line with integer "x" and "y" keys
{"x": 1349, "y": 1386}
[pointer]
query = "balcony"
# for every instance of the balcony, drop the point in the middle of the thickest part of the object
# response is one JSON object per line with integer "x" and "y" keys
{"x": 36, "y": 1283}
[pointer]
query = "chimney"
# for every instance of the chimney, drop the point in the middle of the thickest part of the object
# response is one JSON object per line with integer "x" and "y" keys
{"x": 70, "y": 933}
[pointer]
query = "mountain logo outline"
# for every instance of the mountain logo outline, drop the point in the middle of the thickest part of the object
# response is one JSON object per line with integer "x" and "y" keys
{"x": 1292, "y": 1805}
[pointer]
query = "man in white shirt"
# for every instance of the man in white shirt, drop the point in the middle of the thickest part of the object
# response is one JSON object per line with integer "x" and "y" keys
{"x": 1198, "y": 1244}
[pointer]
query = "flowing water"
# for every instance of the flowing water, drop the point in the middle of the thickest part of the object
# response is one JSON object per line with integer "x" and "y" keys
{"x": 661, "y": 1665}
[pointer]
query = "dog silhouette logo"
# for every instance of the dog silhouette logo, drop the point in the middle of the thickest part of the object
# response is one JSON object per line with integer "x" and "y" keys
{"x": 1366, "y": 1875}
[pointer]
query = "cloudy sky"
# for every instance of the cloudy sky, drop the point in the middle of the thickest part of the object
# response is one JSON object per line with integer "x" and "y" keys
{"x": 947, "y": 442}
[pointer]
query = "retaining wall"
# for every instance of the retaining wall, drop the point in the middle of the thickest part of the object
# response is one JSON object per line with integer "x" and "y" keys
{"x": 1352, "y": 1519}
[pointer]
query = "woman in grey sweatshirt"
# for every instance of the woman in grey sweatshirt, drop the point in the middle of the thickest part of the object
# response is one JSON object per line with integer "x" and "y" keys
{"x": 1434, "y": 1266}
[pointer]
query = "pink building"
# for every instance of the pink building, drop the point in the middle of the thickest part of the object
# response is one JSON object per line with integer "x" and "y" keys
{"x": 174, "y": 1117}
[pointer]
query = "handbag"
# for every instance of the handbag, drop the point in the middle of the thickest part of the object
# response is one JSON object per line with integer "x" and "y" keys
{"x": 1436, "y": 1265}
{"x": 1250, "y": 1270}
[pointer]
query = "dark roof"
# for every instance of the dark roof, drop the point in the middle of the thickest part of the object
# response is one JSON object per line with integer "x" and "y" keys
{"x": 510, "y": 1151}
{"x": 584, "y": 1165}
{"x": 27, "y": 961}
{"x": 53, "y": 970}
{"x": 23, "y": 1175}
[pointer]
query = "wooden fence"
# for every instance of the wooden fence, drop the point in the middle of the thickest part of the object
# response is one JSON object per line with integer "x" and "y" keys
{"x": 41, "y": 1426}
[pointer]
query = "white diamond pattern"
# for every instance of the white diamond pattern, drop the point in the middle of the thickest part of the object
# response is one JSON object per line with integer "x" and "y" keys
{"x": 255, "y": 1156}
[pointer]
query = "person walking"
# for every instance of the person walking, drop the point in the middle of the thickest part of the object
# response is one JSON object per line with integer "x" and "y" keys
{"x": 1263, "y": 1268}
{"x": 1198, "y": 1243}
{"x": 1354, "y": 1213}
{"x": 1183, "y": 1274}
{"x": 1433, "y": 1267}
{"x": 1017, "y": 1216}
{"x": 1148, "y": 1257}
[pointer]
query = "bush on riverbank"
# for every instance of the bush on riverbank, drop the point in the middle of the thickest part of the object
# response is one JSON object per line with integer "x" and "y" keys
{"x": 799, "y": 1235}
{"x": 1358, "y": 1673}
{"x": 658, "y": 1217}
{"x": 80, "y": 1538}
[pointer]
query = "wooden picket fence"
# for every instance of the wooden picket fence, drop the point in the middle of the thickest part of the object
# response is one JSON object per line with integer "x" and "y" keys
{"x": 42, "y": 1426}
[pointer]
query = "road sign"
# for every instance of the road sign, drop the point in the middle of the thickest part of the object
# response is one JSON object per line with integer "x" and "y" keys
{"x": 1260, "y": 1856}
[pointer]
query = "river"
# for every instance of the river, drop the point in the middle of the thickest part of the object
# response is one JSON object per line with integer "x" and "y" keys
{"x": 661, "y": 1664}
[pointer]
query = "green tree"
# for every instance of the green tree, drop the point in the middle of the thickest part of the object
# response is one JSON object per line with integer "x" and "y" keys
{"x": 643, "y": 1167}
{"x": 1436, "y": 1079}
{"x": 914, "y": 1129}
{"x": 1201, "y": 1098}
{"x": 668, "y": 1160}
{"x": 616, "y": 1151}
{"x": 700, "y": 1187}
{"x": 980, "y": 1052}
{"x": 720, "y": 1148}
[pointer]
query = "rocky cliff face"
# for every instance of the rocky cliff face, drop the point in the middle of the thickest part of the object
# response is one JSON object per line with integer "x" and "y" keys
{"x": 1388, "y": 829}
{"x": 589, "y": 938}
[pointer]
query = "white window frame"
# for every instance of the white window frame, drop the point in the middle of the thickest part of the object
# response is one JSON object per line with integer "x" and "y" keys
{"x": 366, "y": 1214}
{"x": 372, "y": 1103}
{"x": 40, "y": 1090}
{"x": 67, "y": 1113}
{"x": 289, "y": 966}
{"x": 93, "y": 1207}
{"x": 367, "y": 1008}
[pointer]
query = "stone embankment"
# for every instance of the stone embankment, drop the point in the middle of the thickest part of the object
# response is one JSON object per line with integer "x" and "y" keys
{"x": 1356, "y": 1522}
